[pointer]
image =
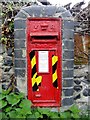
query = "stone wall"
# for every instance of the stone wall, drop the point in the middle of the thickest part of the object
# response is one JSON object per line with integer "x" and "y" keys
{"x": 67, "y": 47}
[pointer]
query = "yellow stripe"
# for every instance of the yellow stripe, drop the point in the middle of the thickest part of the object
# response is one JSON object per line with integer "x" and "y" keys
{"x": 38, "y": 80}
{"x": 33, "y": 62}
{"x": 54, "y": 59}
{"x": 54, "y": 76}
{"x": 34, "y": 79}
{"x": 34, "y": 76}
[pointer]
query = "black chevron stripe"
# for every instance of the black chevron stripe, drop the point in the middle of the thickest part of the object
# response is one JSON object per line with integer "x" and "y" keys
{"x": 33, "y": 70}
{"x": 54, "y": 67}
{"x": 32, "y": 54}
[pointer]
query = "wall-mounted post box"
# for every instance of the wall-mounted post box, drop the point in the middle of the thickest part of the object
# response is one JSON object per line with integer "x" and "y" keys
{"x": 44, "y": 57}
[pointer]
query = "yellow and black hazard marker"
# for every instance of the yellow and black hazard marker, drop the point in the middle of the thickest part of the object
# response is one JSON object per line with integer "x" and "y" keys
{"x": 54, "y": 71}
{"x": 36, "y": 80}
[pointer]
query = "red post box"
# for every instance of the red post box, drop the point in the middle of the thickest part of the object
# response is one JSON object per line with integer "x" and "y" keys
{"x": 44, "y": 56}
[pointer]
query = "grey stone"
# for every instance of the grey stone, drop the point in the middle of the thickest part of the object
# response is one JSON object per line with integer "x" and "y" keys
{"x": 60, "y": 9}
{"x": 20, "y": 63}
{"x": 67, "y": 82}
{"x": 11, "y": 71}
{"x": 68, "y": 24}
{"x": 50, "y": 10}
{"x": 37, "y": 10}
{"x": 10, "y": 52}
{"x": 66, "y": 14}
{"x": 67, "y": 73}
{"x": 5, "y": 78}
{"x": 19, "y": 34}
{"x": 68, "y": 91}
{"x": 8, "y": 61}
{"x": 7, "y": 69}
{"x": 77, "y": 82}
{"x": 18, "y": 53}
{"x": 68, "y": 45}
{"x": 68, "y": 54}
{"x": 76, "y": 66}
{"x": 87, "y": 77}
{"x": 1, "y": 48}
{"x": 77, "y": 97}
{"x": 20, "y": 72}
{"x": 67, "y": 64}
{"x": 19, "y": 43}
{"x": 67, "y": 101}
{"x": 68, "y": 34}
{"x": 77, "y": 88}
{"x": 20, "y": 24}
{"x": 21, "y": 15}
{"x": 33, "y": 10}
{"x": 86, "y": 92}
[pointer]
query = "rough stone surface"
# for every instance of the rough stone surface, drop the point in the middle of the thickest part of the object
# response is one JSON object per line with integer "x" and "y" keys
{"x": 67, "y": 64}
{"x": 78, "y": 88}
{"x": 68, "y": 34}
{"x": 81, "y": 86}
{"x": 18, "y": 53}
{"x": 8, "y": 61}
{"x": 20, "y": 24}
{"x": 67, "y": 73}
{"x": 20, "y": 63}
{"x": 19, "y": 43}
{"x": 67, "y": 101}
{"x": 68, "y": 54}
{"x": 68, "y": 45}
{"x": 20, "y": 73}
{"x": 68, "y": 91}
{"x": 67, "y": 82}
{"x": 19, "y": 34}
{"x": 68, "y": 24}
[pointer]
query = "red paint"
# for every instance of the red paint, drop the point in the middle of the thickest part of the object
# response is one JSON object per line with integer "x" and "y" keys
{"x": 45, "y": 34}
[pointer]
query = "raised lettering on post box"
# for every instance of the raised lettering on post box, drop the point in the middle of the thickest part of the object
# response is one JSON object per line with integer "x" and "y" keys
{"x": 44, "y": 61}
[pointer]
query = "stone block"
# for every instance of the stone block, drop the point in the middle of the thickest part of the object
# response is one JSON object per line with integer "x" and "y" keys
{"x": 67, "y": 73}
{"x": 60, "y": 9}
{"x": 19, "y": 34}
{"x": 38, "y": 10}
{"x": 67, "y": 82}
{"x": 68, "y": 24}
{"x": 68, "y": 54}
{"x": 68, "y": 92}
{"x": 77, "y": 88}
{"x": 66, "y": 14}
{"x": 19, "y": 24}
{"x": 10, "y": 52}
{"x": 68, "y": 45}
{"x": 19, "y": 53}
{"x": 21, "y": 15}
{"x": 8, "y": 61}
{"x": 68, "y": 34}
{"x": 67, "y": 101}
{"x": 19, "y": 43}
{"x": 68, "y": 64}
{"x": 20, "y": 72}
{"x": 20, "y": 63}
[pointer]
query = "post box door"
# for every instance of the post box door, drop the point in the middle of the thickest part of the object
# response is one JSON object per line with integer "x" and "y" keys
{"x": 44, "y": 79}
{"x": 44, "y": 61}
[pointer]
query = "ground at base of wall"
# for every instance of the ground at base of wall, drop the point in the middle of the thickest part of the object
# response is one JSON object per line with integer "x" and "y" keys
{"x": 81, "y": 86}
